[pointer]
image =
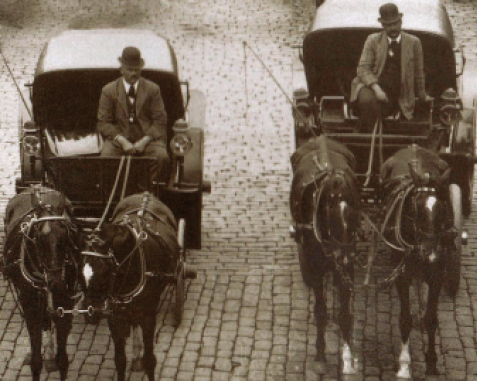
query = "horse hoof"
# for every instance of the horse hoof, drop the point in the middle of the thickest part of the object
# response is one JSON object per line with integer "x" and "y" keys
{"x": 403, "y": 375}
{"x": 50, "y": 366}
{"x": 349, "y": 371}
{"x": 136, "y": 365}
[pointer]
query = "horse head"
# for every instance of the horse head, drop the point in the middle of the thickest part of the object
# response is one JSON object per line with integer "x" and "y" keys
{"x": 336, "y": 212}
{"x": 52, "y": 241}
{"x": 427, "y": 214}
{"x": 109, "y": 268}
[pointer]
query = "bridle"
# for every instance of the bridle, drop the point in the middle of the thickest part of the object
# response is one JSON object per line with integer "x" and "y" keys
{"x": 38, "y": 276}
{"x": 31, "y": 264}
{"x": 115, "y": 266}
{"x": 406, "y": 191}
{"x": 322, "y": 178}
{"x": 332, "y": 245}
{"x": 134, "y": 221}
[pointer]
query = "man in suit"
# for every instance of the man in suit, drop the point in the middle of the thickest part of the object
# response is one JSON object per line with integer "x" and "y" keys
{"x": 131, "y": 115}
{"x": 390, "y": 72}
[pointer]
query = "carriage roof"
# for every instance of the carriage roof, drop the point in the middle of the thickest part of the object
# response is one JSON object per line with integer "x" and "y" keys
{"x": 75, "y": 65}
{"x": 100, "y": 49}
{"x": 425, "y": 16}
{"x": 331, "y": 50}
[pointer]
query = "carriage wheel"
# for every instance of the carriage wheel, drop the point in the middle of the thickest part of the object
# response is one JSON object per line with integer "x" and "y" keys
{"x": 180, "y": 295}
{"x": 453, "y": 263}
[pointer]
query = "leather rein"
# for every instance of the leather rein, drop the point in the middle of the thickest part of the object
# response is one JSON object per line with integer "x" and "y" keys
{"x": 37, "y": 277}
{"x": 134, "y": 221}
{"x": 320, "y": 178}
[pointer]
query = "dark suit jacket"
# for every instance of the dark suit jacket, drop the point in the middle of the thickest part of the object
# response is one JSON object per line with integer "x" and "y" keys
{"x": 113, "y": 116}
{"x": 371, "y": 65}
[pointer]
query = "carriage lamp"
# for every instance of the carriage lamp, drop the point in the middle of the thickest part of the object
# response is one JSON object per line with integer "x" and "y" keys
{"x": 300, "y": 103}
{"x": 31, "y": 145}
{"x": 451, "y": 107}
{"x": 181, "y": 143}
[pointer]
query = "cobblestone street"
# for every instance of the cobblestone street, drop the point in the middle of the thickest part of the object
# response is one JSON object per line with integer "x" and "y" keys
{"x": 249, "y": 316}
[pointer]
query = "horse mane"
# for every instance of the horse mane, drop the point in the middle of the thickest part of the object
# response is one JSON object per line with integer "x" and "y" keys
{"x": 20, "y": 207}
{"x": 134, "y": 203}
{"x": 428, "y": 162}
{"x": 159, "y": 225}
{"x": 399, "y": 183}
{"x": 320, "y": 144}
{"x": 308, "y": 175}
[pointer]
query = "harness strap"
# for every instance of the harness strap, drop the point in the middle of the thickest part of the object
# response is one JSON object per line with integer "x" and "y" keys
{"x": 155, "y": 215}
{"x": 128, "y": 297}
{"x": 113, "y": 191}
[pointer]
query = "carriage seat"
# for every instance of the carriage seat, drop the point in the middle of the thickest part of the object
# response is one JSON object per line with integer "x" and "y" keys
{"x": 63, "y": 143}
{"x": 339, "y": 115}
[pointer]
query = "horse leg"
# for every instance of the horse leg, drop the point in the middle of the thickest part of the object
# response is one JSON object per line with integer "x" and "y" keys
{"x": 49, "y": 356}
{"x": 149, "y": 359}
{"x": 430, "y": 323}
{"x": 137, "y": 365}
{"x": 321, "y": 318}
{"x": 35, "y": 333}
{"x": 346, "y": 322}
{"x": 119, "y": 338}
{"x": 63, "y": 328}
{"x": 405, "y": 324}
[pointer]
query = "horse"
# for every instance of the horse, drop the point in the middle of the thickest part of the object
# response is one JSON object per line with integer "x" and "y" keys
{"x": 325, "y": 205}
{"x": 42, "y": 262}
{"x": 418, "y": 226}
{"x": 131, "y": 262}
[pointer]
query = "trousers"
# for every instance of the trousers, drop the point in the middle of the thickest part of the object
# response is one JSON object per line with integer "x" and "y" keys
{"x": 155, "y": 149}
{"x": 370, "y": 109}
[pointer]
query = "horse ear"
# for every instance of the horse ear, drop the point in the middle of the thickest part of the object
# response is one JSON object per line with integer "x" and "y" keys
{"x": 414, "y": 175}
{"x": 107, "y": 232}
{"x": 115, "y": 234}
{"x": 35, "y": 203}
{"x": 444, "y": 178}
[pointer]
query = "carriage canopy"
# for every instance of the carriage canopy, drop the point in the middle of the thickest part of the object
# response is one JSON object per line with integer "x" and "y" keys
{"x": 332, "y": 49}
{"x": 75, "y": 65}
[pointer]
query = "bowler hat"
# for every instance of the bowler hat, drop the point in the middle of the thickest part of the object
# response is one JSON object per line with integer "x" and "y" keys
{"x": 131, "y": 56}
{"x": 389, "y": 14}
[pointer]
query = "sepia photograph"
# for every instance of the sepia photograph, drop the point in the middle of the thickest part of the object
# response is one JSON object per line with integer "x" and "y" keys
{"x": 238, "y": 190}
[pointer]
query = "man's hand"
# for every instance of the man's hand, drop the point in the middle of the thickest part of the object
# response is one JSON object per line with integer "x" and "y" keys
{"x": 380, "y": 94}
{"x": 141, "y": 145}
{"x": 126, "y": 145}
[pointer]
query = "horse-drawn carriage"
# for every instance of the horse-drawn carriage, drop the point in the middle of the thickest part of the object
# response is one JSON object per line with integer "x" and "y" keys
{"x": 444, "y": 129}
{"x": 60, "y": 154}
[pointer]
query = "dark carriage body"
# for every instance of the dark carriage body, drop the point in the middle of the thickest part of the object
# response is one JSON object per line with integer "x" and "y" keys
{"x": 329, "y": 59}
{"x": 60, "y": 144}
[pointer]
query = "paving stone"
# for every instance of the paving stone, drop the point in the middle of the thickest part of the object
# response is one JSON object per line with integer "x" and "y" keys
{"x": 249, "y": 300}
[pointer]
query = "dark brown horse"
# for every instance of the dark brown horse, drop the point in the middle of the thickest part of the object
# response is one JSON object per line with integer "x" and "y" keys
{"x": 132, "y": 261}
{"x": 42, "y": 262}
{"x": 325, "y": 205}
{"x": 418, "y": 226}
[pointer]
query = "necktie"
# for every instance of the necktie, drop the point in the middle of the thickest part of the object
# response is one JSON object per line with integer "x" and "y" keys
{"x": 132, "y": 102}
{"x": 131, "y": 92}
{"x": 393, "y": 46}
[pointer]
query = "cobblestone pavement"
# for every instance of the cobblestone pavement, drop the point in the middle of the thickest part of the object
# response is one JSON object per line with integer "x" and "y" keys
{"x": 248, "y": 315}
